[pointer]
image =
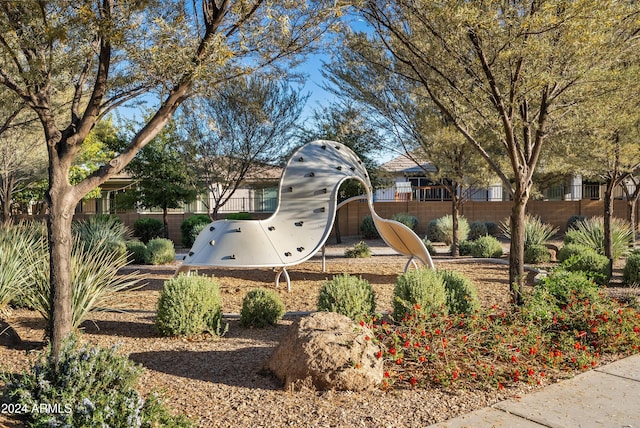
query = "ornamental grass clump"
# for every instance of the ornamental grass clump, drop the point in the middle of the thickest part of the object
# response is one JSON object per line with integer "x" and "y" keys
{"x": 95, "y": 279}
{"x": 21, "y": 248}
{"x": 88, "y": 387}
{"x": 462, "y": 294}
{"x": 160, "y": 251}
{"x": 189, "y": 305}
{"x": 261, "y": 308}
{"x": 422, "y": 289}
{"x": 444, "y": 226}
{"x": 535, "y": 231}
{"x": 590, "y": 233}
{"x": 486, "y": 247}
{"x": 104, "y": 230}
{"x": 348, "y": 295}
{"x": 359, "y": 250}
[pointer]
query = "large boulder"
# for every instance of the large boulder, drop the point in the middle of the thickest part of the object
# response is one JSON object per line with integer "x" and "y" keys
{"x": 326, "y": 350}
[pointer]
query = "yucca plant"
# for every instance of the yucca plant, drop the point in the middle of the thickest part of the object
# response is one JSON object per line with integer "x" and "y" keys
{"x": 19, "y": 252}
{"x": 590, "y": 233}
{"x": 536, "y": 232}
{"x": 101, "y": 229}
{"x": 94, "y": 276}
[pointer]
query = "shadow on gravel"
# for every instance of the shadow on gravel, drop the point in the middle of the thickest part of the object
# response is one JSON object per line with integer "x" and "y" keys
{"x": 119, "y": 328}
{"x": 242, "y": 368}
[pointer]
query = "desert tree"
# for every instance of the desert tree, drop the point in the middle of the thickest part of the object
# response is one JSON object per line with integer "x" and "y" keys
{"x": 413, "y": 126}
{"x": 240, "y": 131}
{"x": 104, "y": 53}
{"x": 502, "y": 72}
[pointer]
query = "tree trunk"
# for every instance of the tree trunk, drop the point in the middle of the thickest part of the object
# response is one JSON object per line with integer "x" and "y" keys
{"x": 516, "y": 248}
{"x": 455, "y": 250}
{"x": 165, "y": 222}
{"x": 5, "y": 198}
{"x": 61, "y": 209}
{"x": 608, "y": 213}
{"x": 631, "y": 217}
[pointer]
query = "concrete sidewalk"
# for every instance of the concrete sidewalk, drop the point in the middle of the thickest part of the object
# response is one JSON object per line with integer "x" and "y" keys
{"x": 608, "y": 396}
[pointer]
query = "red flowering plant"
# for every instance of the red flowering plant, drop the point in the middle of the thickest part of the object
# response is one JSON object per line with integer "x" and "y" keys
{"x": 548, "y": 338}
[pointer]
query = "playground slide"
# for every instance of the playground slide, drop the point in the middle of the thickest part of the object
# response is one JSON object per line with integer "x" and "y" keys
{"x": 300, "y": 226}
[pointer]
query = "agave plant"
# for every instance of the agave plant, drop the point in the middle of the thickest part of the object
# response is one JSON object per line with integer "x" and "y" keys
{"x": 590, "y": 233}
{"x": 95, "y": 281}
{"x": 19, "y": 246}
{"x": 535, "y": 231}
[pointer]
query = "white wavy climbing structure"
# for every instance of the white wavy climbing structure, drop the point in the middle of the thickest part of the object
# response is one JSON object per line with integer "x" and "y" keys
{"x": 300, "y": 226}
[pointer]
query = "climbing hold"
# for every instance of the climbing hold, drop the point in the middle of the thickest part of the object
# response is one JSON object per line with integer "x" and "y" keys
{"x": 337, "y": 147}
{"x": 211, "y": 229}
{"x": 287, "y": 254}
{"x": 300, "y": 249}
{"x": 299, "y": 223}
{"x": 300, "y": 159}
{"x": 311, "y": 174}
{"x": 324, "y": 147}
{"x": 238, "y": 230}
{"x": 212, "y": 242}
{"x": 319, "y": 210}
{"x": 290, "y": 189}
{"x": 191, "y": 253}
{"x": 353, "y": 168}
{"x": 272, "y": 228}
{"x": 339, "y": 168}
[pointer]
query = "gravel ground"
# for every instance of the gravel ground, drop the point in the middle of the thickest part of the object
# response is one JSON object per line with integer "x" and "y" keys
{"x": 218, "y": 382}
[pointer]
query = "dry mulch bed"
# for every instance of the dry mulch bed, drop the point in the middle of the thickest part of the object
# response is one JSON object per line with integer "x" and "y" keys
{"x": 219, "y": 381}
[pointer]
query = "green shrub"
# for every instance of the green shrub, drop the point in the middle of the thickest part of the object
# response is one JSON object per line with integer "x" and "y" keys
{"x": 260, "y": 308}
{"x": 95, "y": 279}
{"x": 429, "y": 246}
{"x": 368, "y": 228}
{"x": 434, "y": 234}
{"x": 445, "y": 228}
{"x": 238, "y": 216}
{"x": 535, "y": 231}
{"x": 571, "y": 223}
{"x": 347, "y": 295}
{"x": 136, "y": 252}
{"x": 549, "y": 299}
{"x": 536, "y": 254}
{"x": 420, "y": 290}
{"x": 146, "y": 229}
{"x": 477, "y": 229}
{"x": 359, "y": 250}
{"x": 189, "y": 305}
{"x": 590, "y": 233}
{"x": 493, "y": 228}
{"x": 462, "y": 294}
{"x": 408, "y": 220}
{"x": 594, "y": 265}
{"x": 569, "y": 250}
{"x": 631, "y": 271}
{"x": 191, "y": 227}
{"x": 566, "y": 285}
{"x": 464, "y": 247}
{"x": 92, "y": 387}
{"x": 486, "y": 247}
{"x": 160, "y": 251}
